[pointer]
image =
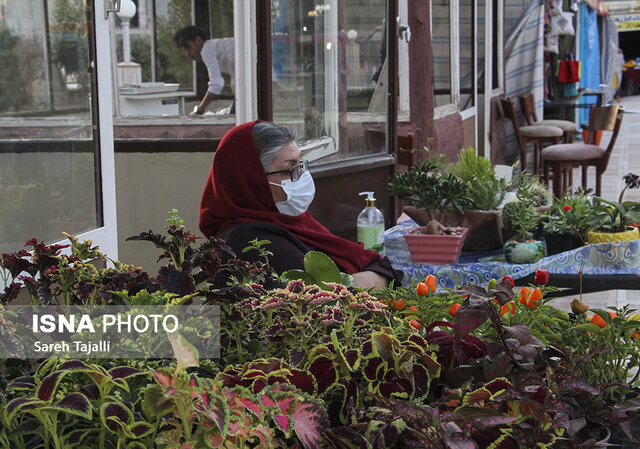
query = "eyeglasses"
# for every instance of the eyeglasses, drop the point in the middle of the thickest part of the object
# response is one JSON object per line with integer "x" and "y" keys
{"x": 294, "y": 172}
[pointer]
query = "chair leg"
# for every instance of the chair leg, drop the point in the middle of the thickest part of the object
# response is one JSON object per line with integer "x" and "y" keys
{"x": 536, "y": 157}
{"x": 570, "y": 172}
{"x": 598, "y": 180}
{"x": 584, "y": 177}
{"x": 568, "y": 137}
{"x": 557, "y": 180}
{"x": 523, "y": 157}
{"x": 546, "y": 173}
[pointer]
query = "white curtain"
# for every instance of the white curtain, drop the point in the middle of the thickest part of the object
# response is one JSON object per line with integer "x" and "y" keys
{"x": 524, "y": 66}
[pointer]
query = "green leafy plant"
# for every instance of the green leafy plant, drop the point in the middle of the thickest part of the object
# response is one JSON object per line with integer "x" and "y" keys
{"x": 621, "y": 213}
{"x": 574, "y": 215}
{"x": 427, "y": 185}
{"x": 319, "y": 270}
{"x": 485, "y": 190}
{"x": 39, "y": 402}
{"x": 521, "y": 215}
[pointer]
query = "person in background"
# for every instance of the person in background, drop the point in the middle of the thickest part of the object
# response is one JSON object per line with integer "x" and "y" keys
{"x": 259, "y": 187}
{"x": 618, "y": 68}
{"x": 216, "y": 54}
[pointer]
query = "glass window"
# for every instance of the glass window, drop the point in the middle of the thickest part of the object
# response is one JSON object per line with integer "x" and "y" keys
{"x": 163, "y": 79}
{"x": 467, "y": 54}
{"x": 441, "y": 45}
{"x": 48, "y": 149}
{"x": 330, "y": 80}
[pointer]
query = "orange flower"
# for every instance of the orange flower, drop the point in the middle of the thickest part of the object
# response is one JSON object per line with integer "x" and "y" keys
{"x": 509, "y": 307}
{"x": 398, "y": 304}
{"x": 453, "y": 310}
{"x": 523, "y": 295}
{"x": 422, "y": 289}
{"x": 431, "y": 281}
{"x": 415, "y": 324}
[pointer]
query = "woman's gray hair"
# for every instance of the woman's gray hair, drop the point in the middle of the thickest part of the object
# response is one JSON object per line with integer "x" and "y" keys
{"x": 269, "y": 139}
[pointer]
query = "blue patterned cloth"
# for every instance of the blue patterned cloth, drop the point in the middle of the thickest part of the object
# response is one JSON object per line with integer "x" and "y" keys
{"x": 479, "y": 268}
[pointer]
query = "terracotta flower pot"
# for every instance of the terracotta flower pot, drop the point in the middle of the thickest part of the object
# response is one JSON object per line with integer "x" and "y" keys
{"x": 485, "y": 227}
{"x": 435, "y": 249}
{"x": 523, "y": 252}
{"x": 607, "y": 237}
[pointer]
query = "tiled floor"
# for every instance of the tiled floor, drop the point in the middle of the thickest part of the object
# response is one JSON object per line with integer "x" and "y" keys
{"x": 625, "y": 158}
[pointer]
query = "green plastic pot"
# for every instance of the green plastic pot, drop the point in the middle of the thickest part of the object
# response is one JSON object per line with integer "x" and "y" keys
{"x": 523, "y": 252}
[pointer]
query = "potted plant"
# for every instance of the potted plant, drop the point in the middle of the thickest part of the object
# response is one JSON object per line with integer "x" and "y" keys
{"x": 621, "y": 215}
{"x": 525, "y": 218}
{"x": 541, "y": 199}
{"x": 486, "y": 192}
{"x": 427, "y": 187}
{"x": 568, "y": 221}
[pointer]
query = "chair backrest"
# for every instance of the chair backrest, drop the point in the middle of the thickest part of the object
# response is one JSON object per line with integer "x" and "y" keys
{"x": 604, "y": 118}
{"x": 509, "y": 109}
{"x": 528, "y": 109}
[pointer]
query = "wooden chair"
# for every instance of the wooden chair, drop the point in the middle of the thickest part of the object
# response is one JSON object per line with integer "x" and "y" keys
{"x": 537, "y": 135}
{"x": 562, "y": 158}
{"x": 527, "y": 106}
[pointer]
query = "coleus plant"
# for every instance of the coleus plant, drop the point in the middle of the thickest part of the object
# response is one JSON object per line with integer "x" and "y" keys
{"x": 495, "y": 415}
{"x": 202, "y": 412}
{"x": 38, "y": 403}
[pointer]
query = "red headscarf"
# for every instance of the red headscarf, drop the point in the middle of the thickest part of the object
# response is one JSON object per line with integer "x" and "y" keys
{"x": 237, "y": 191}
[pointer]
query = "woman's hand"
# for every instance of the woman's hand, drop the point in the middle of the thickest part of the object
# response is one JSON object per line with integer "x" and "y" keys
{"x": 369, "y": 279}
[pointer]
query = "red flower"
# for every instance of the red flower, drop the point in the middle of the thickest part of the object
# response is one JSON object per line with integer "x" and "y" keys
{"x": 567, "y": 208}
{"x": 508, "y": 280}
{"x": 542, "y": 277}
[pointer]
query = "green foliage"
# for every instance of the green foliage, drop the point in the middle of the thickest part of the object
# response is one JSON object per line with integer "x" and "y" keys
{"x": 575, "y": 215}
{"x": 427, "y": 185}
{"x": 69, "y": 41}
{"x": 621, "y": 213}
{"x": 521, "y": 215}
{"x": 319, "y": 270}
{"x": 11, "y": 96}
{"x": 485, "y": 190}
{"x": 172, "y": 64}
{"x": 305, "y": 366}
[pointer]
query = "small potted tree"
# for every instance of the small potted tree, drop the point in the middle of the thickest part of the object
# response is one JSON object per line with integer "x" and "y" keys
{"x": 486, "y": 192}
{"x": 523, "y": 249}
{"x": 426, "y": 186}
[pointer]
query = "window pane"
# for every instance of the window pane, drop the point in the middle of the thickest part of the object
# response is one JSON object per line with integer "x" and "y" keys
{"x": 303, "y": 47}
{"x": 467, "y": 54}
{"x": 440, "y": 22}
{"x": 48, "y": 155}
{"x": 171, "y": 65}
{"x": 313, "y": 43}
{"x": 366, "y": 50}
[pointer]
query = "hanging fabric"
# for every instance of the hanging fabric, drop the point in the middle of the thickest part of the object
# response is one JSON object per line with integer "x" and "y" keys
{"x": 590, "y": 57}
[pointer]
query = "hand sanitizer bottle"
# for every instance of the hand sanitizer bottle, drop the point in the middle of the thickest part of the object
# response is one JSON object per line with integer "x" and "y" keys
{"x": 371, "y": 224}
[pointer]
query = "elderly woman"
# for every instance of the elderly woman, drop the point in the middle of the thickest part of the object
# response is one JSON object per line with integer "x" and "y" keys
{"x": 259, "y": 188}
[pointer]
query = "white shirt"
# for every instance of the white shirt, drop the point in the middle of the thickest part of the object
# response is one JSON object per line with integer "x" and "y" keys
{"x": 218, "y": 56}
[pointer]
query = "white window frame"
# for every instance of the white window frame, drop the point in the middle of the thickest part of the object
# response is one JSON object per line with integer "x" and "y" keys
{"x": 404, "y": 102}
{"x": 106, "y": 236}
{"x": 245, "y": 57}
{"x": 472, "y": 112}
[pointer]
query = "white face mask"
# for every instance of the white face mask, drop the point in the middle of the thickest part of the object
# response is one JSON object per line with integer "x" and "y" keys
{"x": 299, "y": 195}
